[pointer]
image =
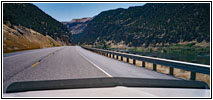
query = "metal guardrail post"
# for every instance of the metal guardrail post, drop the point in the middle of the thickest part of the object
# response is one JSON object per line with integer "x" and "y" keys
{"x": 143, "y": 64}
{"x": 127, "y": 60}
{"x": 155, "y": 67}
{"x": 193, "y": 75}
{"x": 171, "y": 70}
{"x": 133, "y": 61}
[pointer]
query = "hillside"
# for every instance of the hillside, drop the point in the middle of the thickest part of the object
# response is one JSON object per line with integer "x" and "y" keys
{"x": 149, "y": 25}
{"x": 31, "y": 17}
{"x": 21, "y": 38}
{"x": 77, "y": 25}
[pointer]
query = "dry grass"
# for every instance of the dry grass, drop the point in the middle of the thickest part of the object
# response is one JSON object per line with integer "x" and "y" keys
{"x": 149, "y": 65}
{"x": 14, "y": 40}
{"x": 119, "y": 57}
{"x": 131, "y": 61}
{"x": 203, "y": 77}
{"x": 124, "y": 59}
{"x": 163, "y": 69}
{"x": 138, "y": 63}
{"x": 111, "y": 56}
{"x": 182, "y": 73}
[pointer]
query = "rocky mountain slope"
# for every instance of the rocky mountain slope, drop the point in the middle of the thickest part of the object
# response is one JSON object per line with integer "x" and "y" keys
{"x": 30, "y": 16}
{"x": 27, "y": 27}
{"x": 78, "y": 25}
{"x": 154, "y": 24}
{"x": 21, "y": 38}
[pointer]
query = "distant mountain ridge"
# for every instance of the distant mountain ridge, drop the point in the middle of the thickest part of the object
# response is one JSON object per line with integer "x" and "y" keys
{"x": 152, "y": 24}
{"x": 82, "y": 20}
{"x": 78, "y": 25}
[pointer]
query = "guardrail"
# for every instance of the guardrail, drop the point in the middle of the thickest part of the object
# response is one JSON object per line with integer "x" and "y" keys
{"x": 192, "y": 67}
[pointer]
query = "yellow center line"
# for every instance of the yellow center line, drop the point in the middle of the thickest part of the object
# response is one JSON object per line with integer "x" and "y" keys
{"x": 35, "y": 64}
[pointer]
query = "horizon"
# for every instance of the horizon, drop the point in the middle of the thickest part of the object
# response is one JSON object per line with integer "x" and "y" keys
{"x": 64, "y": 12}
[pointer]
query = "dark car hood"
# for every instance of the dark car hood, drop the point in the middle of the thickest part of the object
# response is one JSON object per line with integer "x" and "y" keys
{"x": 103, "y": 82}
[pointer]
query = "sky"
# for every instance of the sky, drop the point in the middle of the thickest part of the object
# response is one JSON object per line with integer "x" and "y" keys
{"x": 68, "y": 11}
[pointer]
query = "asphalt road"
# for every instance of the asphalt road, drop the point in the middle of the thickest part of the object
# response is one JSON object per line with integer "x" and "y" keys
{"x": 68, "y": 62}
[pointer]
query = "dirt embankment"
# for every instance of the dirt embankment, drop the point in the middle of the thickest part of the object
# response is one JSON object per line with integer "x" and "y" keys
{"x": 18, "y": 38}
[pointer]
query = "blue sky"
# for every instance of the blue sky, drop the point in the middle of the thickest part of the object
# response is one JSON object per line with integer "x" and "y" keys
{"x": 68, "y": 11}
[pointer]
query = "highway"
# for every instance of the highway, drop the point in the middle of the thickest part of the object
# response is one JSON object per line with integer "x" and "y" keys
{"x": 67, "y": 62}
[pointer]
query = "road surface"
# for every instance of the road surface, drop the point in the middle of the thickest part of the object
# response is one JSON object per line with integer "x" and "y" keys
{"x": 67, "y": 62}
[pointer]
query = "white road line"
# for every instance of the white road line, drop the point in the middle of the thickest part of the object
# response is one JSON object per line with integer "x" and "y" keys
{"x": 95, "y": 64}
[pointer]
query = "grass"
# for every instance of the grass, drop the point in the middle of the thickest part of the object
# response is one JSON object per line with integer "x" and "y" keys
{"x": 14, "y": 41}
{"x": 185, "y": 49}
{"x": 176, "y": 48}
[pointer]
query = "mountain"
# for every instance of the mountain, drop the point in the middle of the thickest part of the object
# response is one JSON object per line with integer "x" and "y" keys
{"x": 26, "y": 27}
{"x": 81, "y": 20}
{"x": 77, "y": 25}
{"x": 20, "y": 38}
{"x": 30, "y": 16}
{"x": 154, "y": 24}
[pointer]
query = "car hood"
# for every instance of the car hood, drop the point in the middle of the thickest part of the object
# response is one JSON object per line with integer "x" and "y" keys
{"x": 110, "y": 86}
{"x": 118, "y": 91}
